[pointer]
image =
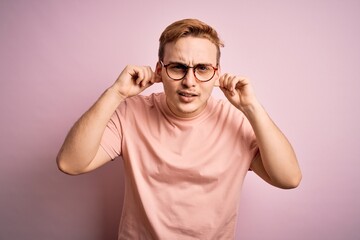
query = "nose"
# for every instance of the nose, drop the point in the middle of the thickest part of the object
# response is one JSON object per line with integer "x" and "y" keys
{"x": 189, "y": 80}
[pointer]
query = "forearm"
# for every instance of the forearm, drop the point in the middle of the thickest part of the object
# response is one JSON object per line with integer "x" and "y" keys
{"x": 83, "y": 141}
{"x": 277, "y": 155}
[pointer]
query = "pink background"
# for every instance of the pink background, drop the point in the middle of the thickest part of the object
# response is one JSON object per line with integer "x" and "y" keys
{"x": 57, "y": 57}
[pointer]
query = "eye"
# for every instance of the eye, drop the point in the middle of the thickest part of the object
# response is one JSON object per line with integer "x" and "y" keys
{"x": 203, "y": 67}
{"x": 178, "y": 67}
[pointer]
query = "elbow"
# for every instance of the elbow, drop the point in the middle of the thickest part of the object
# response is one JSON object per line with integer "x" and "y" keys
{"x": 292, "y": 182}
{"x": 296, "y": 179}
{"x": 63, "y": 167}
{"x": 291, "y": 178}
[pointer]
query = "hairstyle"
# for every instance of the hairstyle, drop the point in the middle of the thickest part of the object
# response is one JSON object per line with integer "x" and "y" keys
{"x": 189, "y": 27}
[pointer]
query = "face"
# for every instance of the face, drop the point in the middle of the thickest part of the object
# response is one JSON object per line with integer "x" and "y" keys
{"x": 188, "y": 97}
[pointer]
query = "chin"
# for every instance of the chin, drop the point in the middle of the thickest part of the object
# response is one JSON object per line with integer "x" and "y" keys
{"x": 189, "y": 111}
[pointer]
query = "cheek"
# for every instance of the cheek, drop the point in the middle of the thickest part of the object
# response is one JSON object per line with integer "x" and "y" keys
{"x": 207, "y": 91}
{"x": 169, "y": 87}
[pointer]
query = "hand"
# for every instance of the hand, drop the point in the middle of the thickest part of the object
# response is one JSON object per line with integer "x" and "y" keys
{"x": 238, "y": 91}
{"x": 134, "y": 79}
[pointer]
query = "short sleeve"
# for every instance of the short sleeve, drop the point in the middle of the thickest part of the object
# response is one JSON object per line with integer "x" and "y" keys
{"x": 111, "y": 139}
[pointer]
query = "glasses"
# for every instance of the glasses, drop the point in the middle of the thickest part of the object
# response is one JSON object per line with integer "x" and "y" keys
{"x": 202, "y": 72}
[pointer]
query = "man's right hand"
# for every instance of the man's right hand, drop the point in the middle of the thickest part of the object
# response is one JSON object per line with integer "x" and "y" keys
{"x": 133, "y": 80}
{"x": 81, "y": 151}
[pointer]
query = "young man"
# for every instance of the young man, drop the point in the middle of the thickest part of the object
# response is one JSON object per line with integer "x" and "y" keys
{"x": 185, "y": 154}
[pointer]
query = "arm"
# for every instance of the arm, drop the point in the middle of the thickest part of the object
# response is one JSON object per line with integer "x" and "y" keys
{"x": 81, "y": 151}
{"x": 277, "y": 163}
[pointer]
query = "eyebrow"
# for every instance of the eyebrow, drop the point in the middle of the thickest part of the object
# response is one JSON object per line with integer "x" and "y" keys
{"x": 182, "y": 63}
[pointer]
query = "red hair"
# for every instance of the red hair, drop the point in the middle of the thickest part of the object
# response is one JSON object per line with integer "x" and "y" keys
{"x": 185, "y": 28}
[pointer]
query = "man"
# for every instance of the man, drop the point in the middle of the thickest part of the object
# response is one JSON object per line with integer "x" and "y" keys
{"x": 185, "y": 154}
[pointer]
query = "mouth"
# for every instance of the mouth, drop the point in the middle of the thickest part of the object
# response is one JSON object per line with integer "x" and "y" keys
{"x": 186, "y": 96}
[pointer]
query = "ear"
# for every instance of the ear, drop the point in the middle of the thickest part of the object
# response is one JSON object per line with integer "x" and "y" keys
{"x": 217, "y": 75}
{"x": 158, "y": 69}
{"x": 218, "y": 72}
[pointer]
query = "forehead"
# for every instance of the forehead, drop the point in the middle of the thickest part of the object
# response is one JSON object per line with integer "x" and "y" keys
{"x": 191, "y": 50}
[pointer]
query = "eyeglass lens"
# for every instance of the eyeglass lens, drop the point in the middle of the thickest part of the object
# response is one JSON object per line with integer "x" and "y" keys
{"x": 203, "y": 72}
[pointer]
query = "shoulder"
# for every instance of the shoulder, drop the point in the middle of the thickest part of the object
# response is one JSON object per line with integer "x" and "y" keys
{"x": 140, "y": 104}
{"x": 225, "y": 108}
{"x": 141, "y": 101}
{"x": 227, "y": 114}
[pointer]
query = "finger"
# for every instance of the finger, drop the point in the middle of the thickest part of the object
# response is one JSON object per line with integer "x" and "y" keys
{"x": 234, "y": 80}
{"x": 230, "y": 85}
{"x": 241, "y": 82}
{"x": 142, "y": 76}
{"x": 222, "y": 80}
{"x": 134, "y": 73}
{"x": 139, "y": 75}
{"x": 227, "y": 84}
{"x": 150, "y": 76}
{"x": 147, "y": 76}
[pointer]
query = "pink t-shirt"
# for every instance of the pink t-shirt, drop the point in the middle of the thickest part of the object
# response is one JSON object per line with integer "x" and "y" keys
{"x": 183, "y": 176}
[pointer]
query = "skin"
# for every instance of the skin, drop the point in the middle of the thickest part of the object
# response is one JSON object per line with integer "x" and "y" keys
{"x": 276, "y": 163}
{"x": 190, "y": 51}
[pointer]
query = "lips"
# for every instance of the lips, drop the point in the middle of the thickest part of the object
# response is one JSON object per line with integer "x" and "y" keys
{"x": 187, "y": 94}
